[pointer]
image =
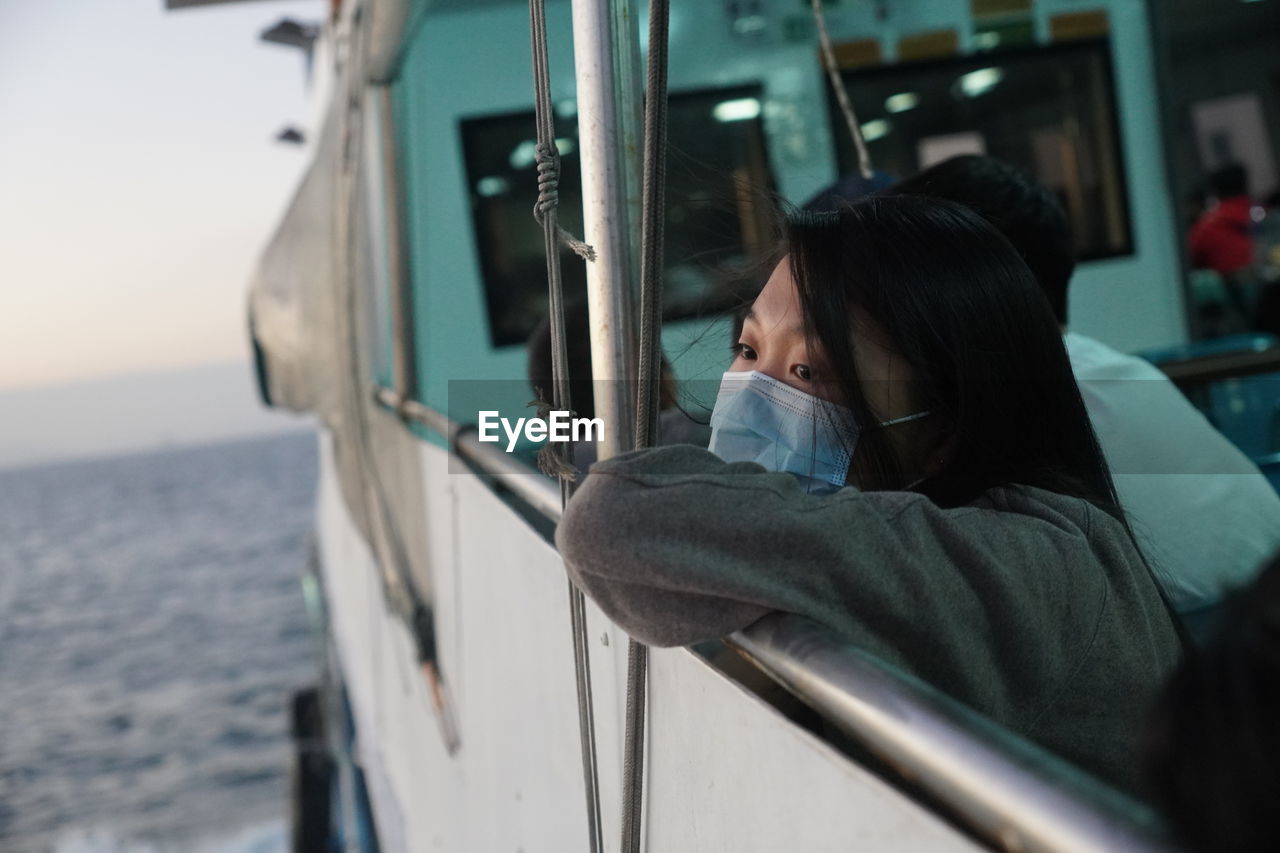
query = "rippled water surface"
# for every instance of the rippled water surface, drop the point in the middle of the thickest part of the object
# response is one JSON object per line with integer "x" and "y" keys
{"x": 151, "y": 633}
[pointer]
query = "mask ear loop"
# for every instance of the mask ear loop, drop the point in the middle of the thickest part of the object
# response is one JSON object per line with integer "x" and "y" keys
{"x": 902, "y": 420}
{"x": 906, "y": 418}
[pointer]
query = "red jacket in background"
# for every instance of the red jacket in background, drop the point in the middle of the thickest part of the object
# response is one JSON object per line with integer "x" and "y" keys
{"x": 1222, "y": 238}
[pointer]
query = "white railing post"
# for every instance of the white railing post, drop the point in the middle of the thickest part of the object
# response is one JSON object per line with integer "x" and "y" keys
{"x": 606, "y": 63}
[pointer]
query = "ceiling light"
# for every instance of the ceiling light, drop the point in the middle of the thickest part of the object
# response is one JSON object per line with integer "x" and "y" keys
{"x": 739, "y": 109}
{"x": 979, "y": 82}
{"x": 492, "y": 186}
{"x": 902, "y": 102}
{"x": 875, "y": 129}
{"x": 987, "y": 40}
{"x": 524, "y": 155}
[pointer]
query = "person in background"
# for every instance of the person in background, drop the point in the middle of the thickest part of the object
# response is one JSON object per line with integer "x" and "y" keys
{"x": 1212, "y": 753}
{"x": 849, "y": 188}
{"x": 899, "y": 452}
{"x": 1222, "y": 238}
{"x": 1203, "y": 513}
{"x": 675, "y": 426}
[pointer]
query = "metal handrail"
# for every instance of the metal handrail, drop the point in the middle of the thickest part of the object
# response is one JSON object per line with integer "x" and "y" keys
{"x": 1214, "y": 368}
{"x": 1007, "y": 789}
{"x": 538, "y": 491}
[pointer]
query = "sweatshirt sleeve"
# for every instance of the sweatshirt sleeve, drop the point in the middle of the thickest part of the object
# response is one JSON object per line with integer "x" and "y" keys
{"x": 679, "y": 547}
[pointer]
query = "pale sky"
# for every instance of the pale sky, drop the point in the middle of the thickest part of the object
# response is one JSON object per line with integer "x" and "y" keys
{"x": 139, "y": 180}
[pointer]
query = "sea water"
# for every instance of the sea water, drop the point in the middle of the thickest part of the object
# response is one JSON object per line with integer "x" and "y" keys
{"x": 152, "y": 631}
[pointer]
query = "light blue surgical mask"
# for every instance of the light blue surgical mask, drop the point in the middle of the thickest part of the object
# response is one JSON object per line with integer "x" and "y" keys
{"x": 759, "y": 419}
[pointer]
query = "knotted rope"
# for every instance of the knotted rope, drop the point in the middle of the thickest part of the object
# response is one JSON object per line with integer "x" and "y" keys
{"x": 557, "y": 458}
{"x": 551, "y": 462}
{"x": 547, "y": 159}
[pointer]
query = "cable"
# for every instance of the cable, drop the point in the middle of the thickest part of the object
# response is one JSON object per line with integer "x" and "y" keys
{"x": 842, "y": 94}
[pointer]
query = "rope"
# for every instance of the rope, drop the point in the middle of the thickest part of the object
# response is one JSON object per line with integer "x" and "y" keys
{"x": 561, "y": 459}
{"x": 653, "y": 204}
{"x": 633, "y": 750}
{"x": 842, "y": 94}
{"x": 547, "y": 158}
{"x": 551, "y": 462}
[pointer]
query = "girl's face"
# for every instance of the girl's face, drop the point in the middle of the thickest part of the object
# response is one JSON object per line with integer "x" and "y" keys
{"x": 773, "y": 342}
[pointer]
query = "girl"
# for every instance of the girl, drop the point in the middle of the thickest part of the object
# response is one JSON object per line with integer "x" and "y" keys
{"x": 900, "y": 452}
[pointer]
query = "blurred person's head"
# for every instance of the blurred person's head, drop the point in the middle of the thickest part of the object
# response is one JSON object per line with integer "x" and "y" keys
{"x": 847, "y": 189}
{"x": 578, "y": 354}
{"x": 1230, "y": 181}
{"x": 1026, "y": 213}
{"x": 1213, "y": 743}
{"x": 1194, "y": 204}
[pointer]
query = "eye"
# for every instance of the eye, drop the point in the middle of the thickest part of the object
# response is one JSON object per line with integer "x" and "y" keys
{"x": 741, "y": 350}
{"x": 802, "y": 371}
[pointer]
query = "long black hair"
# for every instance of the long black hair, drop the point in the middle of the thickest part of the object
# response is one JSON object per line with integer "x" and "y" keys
{"x": 961, "y": 307}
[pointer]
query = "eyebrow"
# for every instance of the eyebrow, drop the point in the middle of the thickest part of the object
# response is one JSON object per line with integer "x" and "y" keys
{"x": 751, "y": 315}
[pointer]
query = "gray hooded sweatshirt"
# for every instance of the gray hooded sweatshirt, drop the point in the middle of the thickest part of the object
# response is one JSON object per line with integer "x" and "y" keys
{"x": 1032, "y": 607}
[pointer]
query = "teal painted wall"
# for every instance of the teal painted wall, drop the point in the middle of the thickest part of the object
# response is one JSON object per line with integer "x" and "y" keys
{"x": 461, "y": 64}
{"x": 470, "y": 63}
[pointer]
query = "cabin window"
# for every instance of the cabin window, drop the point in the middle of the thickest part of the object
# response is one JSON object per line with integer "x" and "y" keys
{"x": 1050, "y": 110}
{"x": 717, "y": 210}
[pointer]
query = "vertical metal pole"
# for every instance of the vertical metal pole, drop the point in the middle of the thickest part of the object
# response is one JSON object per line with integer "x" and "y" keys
{"x": 606, "y": 56}
{"x": 404, "y": 361}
